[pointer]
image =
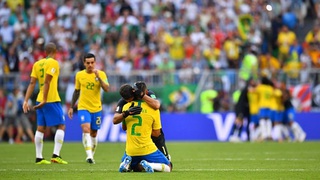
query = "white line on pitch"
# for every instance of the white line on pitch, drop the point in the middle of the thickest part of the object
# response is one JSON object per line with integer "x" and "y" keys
{"x": 176, "y": 170}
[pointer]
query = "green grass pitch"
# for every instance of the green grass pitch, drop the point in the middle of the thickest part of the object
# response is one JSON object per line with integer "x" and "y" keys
{"x": 192, "y": 160}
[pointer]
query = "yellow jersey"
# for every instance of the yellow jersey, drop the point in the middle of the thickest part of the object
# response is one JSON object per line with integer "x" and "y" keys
{"x": 139, "y": 128}
{"x": 39, "y": 70}
{"x": 253, "y": 102}
{"x": 90, "y": 88}
{"x": 276, "y": 103}
{"x": 265, "y": 93}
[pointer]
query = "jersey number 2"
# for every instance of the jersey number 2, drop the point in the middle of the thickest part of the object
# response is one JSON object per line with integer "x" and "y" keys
{"x": 139, "y": 123}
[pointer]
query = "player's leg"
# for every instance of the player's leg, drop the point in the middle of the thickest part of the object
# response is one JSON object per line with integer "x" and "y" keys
{"x": 277, "y": 134}
{"x": 160, "y": 142}
{"x": 85, "y": 119}
{"x": 236, "y": 128}
{"x": 299, "y": 134}
{"x": 126, "y": 163}
{"x": 254, "y": 127}
{"x": 155, "y": 162}
{"x": 54, "y": 117}
{"x": 95, "y": 126}
{"x": 38, "y": 137}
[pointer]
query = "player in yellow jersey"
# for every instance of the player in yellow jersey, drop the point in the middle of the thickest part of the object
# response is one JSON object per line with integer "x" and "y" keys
{"x": 141, "y": 152}
{"x": 254, "y": 113}
{"x": 48, "y": 107}
{"x": 265, "y": 92}
{"x": 88, "y": 86}
{"x": 277, "y": 109}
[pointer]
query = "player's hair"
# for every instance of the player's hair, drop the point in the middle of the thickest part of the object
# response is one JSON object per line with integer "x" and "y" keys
{"x": 140, "y": 85}
{"x": 126, "y": 91}
{"x": 50, "y": 48}
{"x": 89, "y": 55}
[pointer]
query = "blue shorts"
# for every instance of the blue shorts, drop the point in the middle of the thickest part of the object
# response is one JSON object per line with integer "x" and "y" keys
{"x": 94, "y": 119}
{"x": 155, "y": 157}
{"x": 277, "y": 116}
{"x": 254, "y": 118}
{"x": 50, "y": 114}
{"x": 288, "y": 115}
{"x": 265, "y": 113}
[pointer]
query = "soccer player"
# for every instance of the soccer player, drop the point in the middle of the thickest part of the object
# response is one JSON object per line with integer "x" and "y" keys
{"x": 277, "y": 113}
{"x": 48, "y": 104}
{"x": 140, "y": 90}
{"x": 242, "y": 111}
{"x": 88, "y": 85}
{"x": 141, "y": 153}
{"x": 289, "y": 117}
{"x": 265, "y": 93}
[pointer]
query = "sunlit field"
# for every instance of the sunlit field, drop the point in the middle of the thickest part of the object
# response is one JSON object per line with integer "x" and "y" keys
{"x": 191, "y": 160}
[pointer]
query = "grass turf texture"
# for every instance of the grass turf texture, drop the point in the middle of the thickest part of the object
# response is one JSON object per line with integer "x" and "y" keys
{"x": 192, "y": 160}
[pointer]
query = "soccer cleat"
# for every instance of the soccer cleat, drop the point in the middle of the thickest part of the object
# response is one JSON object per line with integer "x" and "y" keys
{"x": 125, "y": 164}
{"x": 58, "y": 160}
{"x": 90, "y": 161}
{"x": 42, "y": 161}
{"x": 234, "y": 139}
{"x": 146, "y": 166}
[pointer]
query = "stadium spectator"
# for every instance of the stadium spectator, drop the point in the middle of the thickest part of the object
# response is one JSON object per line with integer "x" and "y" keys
{"x": 207, "y": 100}
{"x": 10, "y": 117}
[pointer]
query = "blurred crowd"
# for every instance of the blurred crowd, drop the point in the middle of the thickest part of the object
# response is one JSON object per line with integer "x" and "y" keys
{"x": 185, "y": 36}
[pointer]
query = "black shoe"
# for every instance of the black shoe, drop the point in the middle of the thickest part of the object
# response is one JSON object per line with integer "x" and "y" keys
{"x": 90, "y": 161}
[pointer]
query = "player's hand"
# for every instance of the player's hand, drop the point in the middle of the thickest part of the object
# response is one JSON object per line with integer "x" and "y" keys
{"x": 70, "y": 113}
{"x": 25, "y": 107}
{"x": 132, "y": 111}
{"x": 40, "y": 105}
{"x": 139, "y": 89}
{"x": 96, "y": 72}
{"x": 139, "y": 94}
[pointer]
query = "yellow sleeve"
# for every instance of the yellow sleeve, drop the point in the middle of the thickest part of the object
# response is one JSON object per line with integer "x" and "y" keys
{"x": 103, "y": 77}
{"x": 53, "y": 68}
{"x": 156, "y": 123}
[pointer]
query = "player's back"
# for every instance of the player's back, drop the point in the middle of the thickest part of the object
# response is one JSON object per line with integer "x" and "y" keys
{"x": 139, "y": 129}
{"x": 265, "y": 93}
{"x": 39, "y": 71}
{"x": 277, "y": 104}
{"x": 253, "y": 102}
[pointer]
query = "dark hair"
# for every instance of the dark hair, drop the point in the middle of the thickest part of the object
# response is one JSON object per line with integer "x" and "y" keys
{"x": 126, "y": 91}
{"x": 139, "y": 85}
{"x": 89, "y": 55}
{"x": 50, "y": 48}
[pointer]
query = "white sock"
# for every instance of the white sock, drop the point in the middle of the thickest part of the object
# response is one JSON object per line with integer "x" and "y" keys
{"x": 277, "y": 132}
{"x": 269, "y": 128}
{"x": 94, "y": 141}
{"x": 285, "y": 131}
{"x": 58, "y": 141}
{"x": 263, "y": 128}
{"x": 297, "y": 130}
{"x": 87, "y": 144}
{"x": 257, "y": 133}
{"x": 38, "y": 141}
{"x": 159, "y": 167}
